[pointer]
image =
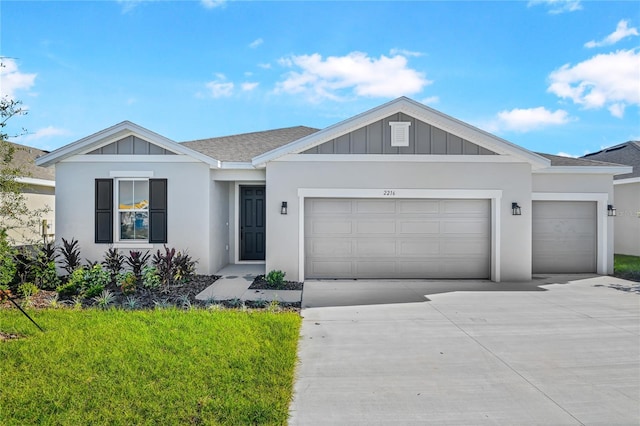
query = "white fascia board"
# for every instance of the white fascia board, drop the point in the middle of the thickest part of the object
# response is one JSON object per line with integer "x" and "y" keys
{"x": 389, "y": 158}
{"x": 238, "y": 165}
{"x": 114, "y": 133}
{"x": 626, "y": 181}
{"x": 418, "y": 111}
{"x": 601, "y": 170}
{"x": 38, "y": 182}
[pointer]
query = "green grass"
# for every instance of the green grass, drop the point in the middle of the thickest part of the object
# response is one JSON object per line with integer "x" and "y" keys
{"x": 625, "y": 266}
{"x": 164, "y": 367}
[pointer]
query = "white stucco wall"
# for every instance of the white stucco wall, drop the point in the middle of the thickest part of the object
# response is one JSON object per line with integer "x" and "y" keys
{"x": 627, "y": 221}
{"x": 219, "y": 225}
{"x": 188, "y": 213}
{"x": 513, "y": 179}
{"x": 575, "y": 183}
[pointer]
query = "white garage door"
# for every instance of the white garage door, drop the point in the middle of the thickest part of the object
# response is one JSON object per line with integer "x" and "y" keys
{"x": 389, "y": 238}
{"x": 564, "y": 237}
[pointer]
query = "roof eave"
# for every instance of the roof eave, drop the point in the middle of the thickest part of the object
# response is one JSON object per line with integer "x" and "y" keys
{"x": 604, "y": 170}
{"x": 122, "y": 129}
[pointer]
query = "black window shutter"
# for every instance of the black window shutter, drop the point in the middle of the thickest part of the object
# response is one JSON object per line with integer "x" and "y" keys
{"x": 104, "y": 211}
{"x": 157, "y": 210}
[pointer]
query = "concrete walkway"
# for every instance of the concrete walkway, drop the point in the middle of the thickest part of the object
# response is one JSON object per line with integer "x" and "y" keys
{"x": 556, "y": 351}
{"x": 234, "y": 284}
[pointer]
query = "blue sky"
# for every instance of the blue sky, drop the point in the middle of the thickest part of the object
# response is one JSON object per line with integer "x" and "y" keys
{"x": 550, "y": 75}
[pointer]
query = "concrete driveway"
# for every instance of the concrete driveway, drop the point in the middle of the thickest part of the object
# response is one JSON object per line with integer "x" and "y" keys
{"x": 555, "y": 351}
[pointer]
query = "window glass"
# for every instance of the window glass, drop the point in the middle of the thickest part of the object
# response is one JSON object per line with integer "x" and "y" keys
{"x": 133, "y": 205}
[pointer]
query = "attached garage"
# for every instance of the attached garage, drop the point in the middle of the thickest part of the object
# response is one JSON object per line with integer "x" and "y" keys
{"x": 397, "y": 238}
{"x": 564, "y": 237}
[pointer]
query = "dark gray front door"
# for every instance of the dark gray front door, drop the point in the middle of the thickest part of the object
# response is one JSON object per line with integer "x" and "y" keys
{"x": 252, "y": 222}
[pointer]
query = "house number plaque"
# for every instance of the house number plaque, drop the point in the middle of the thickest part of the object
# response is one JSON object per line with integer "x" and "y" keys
{"x": 388, "y": 193}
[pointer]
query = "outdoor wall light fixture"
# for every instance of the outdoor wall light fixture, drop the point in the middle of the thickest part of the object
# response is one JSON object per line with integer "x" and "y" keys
{"x": 515, "y": 209}
{"x": 283, "y": 208}
{"x": 611, "y": 211}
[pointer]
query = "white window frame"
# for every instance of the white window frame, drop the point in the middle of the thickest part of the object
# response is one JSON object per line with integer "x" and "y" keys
{"x": 117, "y": 210}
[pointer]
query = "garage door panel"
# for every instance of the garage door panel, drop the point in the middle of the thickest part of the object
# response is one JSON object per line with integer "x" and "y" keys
{"x": 393, "y": 238}
{"x": 419, "y": 247}
{"x": 375, "y": 247}
{"x": 422, "y": 207}
{"x": 465, "y": 248}
{"x": 331, "y": 227}
{"x": 564, "y": 237}
{"x": 331, "y": 247}
{"x": 375, "y": 206}
{"x": 463, "y": 207}
{"x": 420, "y": 227}
{"x": 374, "y": 227}
{"x": 469, "y": 226}
{"x": 330, "y": 206}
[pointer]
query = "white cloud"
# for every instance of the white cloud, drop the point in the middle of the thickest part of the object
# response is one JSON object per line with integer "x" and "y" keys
{"x": 255, "y": 43}
{"x": 431, "y": 100}
{"x": 606, "y": 80}
{"x": 404, "y": 52}
{"x": 12, "y": 79}
{"x": 211, "y": 4}
{"x": 525, "y": 120}
{"x": 248, "y": 86}
{"x": 622, "y": 31}
{"x": 355, "y": 73}
{"x": 220, "y": 88}
{"x": 265, "y": 66}
{"x": 44, "y": 133}
{"x": 558, "y": 6}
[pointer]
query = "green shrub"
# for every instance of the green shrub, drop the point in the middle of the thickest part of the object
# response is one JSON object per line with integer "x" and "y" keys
{"x": 74, "y": 284}
{"x": 28, "y": 289}
{"x": 275, "y": 278}
{"x": 96, "y": 276}
{"x": 7, "y": 263}
{"x": 150, "y": 277}
{"x": 46, "y": 275}
{"x": 93, "y": 291}
{"x": 128, "y": 283}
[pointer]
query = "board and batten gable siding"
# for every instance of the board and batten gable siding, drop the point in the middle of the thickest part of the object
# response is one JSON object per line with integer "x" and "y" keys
{"x": 131, "y": 145}
{"x": 375, "y": 138}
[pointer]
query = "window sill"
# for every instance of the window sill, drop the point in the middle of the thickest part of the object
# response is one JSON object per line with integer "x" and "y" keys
{"x": 132, "y": 245}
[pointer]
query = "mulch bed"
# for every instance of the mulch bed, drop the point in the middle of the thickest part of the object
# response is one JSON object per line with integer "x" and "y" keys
{"x": 259, "y": 283}
{"x": 146, "y": 298}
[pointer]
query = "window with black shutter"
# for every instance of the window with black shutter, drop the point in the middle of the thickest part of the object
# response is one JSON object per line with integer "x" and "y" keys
{"x": 104, "y": 211}
{"x": 157, "y": 210}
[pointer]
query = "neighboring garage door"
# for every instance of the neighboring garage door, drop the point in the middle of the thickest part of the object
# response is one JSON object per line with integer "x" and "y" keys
{"x": 564, "y": 237}
{"x": 393, "y": 238}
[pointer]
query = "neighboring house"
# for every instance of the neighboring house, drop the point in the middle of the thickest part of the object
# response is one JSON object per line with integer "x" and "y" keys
{"x": 626, "y": 195}
{"x": 39, "y": 194}
{"x": 400, "y": 191}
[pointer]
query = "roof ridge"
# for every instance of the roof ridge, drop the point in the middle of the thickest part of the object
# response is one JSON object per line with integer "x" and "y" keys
{"x": 582, "y": 159}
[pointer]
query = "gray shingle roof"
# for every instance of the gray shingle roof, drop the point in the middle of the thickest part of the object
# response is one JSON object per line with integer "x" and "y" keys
{"x": 627, "y": 153}
{"x": 559, "y": 161}
{"x": 24, "y": 158}
{"x": 243, "y": 147}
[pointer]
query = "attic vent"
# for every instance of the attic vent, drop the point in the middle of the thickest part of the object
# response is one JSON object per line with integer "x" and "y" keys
{"x": 399, "y": 133}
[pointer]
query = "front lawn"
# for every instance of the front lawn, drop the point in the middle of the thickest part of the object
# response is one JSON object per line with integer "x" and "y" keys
{"x": 627, "y": 267}
{"x": 147, "y": 367}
